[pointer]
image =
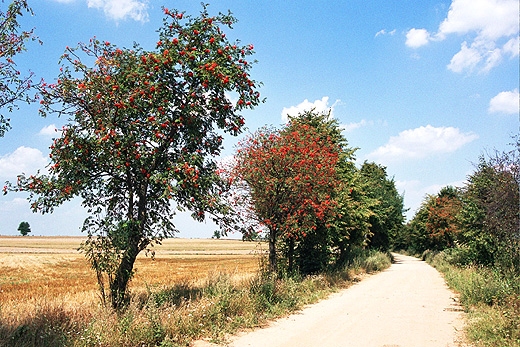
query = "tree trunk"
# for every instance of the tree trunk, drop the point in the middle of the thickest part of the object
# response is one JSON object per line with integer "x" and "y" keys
{"x": 123, "y": 274}
{"x": 272, "y": 251}
{"x": 134, "y": 245}
{"x": 290, "y": 255}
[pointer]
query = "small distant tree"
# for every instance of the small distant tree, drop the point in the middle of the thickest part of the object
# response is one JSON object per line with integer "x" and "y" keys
{"x": 24, "y": 228}
{"x": 14, "y": 87}
{"x": 145, "y": 128}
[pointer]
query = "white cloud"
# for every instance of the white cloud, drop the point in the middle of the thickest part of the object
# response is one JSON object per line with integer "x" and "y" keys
{"x": 22, "y": 160}
{"x": 512, "y": 47}
{"x": 490, "y": 19}
{"x": 118, "y": 9}
{"x": 416, "y": 38}
{"x": 466, "y": 58}
{"x": 384, "y": 32}
{"x": 318, "y": 105}
{"x": 493, "y": 24}
{"x": 422, "y": 142}
{"x": 505, "y": 102}
{"x": 49, "y": 130}
{"x": 353, "y": 126}
{"x": 122, "y": 9}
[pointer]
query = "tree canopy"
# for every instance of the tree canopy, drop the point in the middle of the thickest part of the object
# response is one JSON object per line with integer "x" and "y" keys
{"x": 144, "y": 129}
{"x": 287, "y": 178}
{"x": 479, "y": 222}
{"x": 24, "y": 228}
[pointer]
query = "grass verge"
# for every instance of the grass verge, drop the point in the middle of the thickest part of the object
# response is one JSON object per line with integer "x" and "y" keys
{"x": 490, "y": 298}
{"x": 177, "y": 315}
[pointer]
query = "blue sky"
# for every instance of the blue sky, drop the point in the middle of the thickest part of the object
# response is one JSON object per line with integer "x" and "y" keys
{"x": 421, "y": 87}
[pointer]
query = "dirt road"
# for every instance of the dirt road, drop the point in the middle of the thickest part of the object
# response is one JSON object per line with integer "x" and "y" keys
{"x": 407, "y": 305}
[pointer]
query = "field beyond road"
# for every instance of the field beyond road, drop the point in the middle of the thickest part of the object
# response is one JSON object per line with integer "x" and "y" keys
{"x": 408, "y": 305}
{"x": 36, "y": 270}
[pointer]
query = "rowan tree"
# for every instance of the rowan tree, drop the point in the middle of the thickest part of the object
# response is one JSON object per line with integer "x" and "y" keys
{"x": 14, "y": 87}
{"x": 441, "y": 223}
{"x": 286, "y": 179}
{"x": 334, "y": 237}
{"x": 144, "y": 129}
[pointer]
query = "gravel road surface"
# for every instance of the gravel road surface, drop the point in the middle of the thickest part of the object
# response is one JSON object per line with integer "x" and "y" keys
{"x": 408, "y": 305}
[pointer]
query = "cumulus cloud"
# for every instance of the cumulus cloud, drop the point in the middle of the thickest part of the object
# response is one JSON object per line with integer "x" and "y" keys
{"x": 122, "y": 9}
{"x": 422, "y": 142}
{"x": 49, "y": 130}
{"x": 505, "y": 102}
{"x": 492, "y": 24}
{"x": 318, "y": 105}
{"x": 22, "y": 160}
{"x": 466, "y": 58}
{"x": 119, "y": 9}
{"x": 417, "y": 37}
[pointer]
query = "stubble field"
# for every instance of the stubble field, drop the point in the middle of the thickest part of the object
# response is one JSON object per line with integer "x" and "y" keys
{"x": 38, "y": 272}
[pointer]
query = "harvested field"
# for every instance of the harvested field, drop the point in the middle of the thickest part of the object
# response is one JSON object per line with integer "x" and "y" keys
{"x": 42, "y": 271}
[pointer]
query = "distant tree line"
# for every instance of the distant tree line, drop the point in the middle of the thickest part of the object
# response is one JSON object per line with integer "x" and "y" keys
{"x": 478, "y": 223}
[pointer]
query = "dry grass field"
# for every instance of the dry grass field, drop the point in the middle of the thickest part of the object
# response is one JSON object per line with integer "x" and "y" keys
{"x": 50, "y": 271}
{"x": 194, "y": 289}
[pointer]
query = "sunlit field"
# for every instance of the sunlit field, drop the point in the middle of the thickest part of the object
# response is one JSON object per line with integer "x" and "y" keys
{"x": 36, "y": 271}
{"x": 192, "y": 290}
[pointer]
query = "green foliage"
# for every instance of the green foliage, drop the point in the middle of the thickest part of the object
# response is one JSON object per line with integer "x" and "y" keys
{"x": 490, "y": 217}
{"x": 375, "y": 262}
{"x": 350, "y": 229}
{"x": 24, "y": 228}
{"x": 145, "y": 127}
{"x": 13, "y": 86}
{"x": 479, "y": 222}
{"x": 387, "y": 217}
